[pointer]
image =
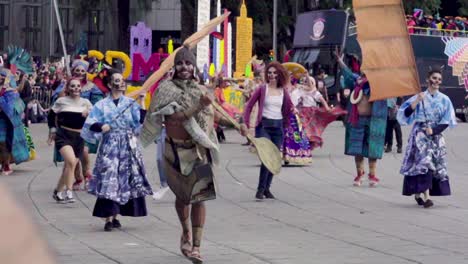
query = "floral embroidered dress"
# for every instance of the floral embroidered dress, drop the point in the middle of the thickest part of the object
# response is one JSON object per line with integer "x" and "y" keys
{"x": 424, "y": 165}
{"x": 119, "y": 176}
{"x": 296, "y": 147}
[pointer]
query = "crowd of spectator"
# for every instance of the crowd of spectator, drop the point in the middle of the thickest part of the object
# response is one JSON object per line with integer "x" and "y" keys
{"x": 436, "y": 25}
{"x": 36, "y": 89}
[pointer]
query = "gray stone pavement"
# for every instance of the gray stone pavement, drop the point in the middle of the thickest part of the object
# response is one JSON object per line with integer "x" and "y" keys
{"x": 319, "y": 217}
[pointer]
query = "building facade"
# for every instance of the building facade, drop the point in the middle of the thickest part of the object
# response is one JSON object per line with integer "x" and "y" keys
{"x": 163, "y": 19}
{"x": 31, "y": 24}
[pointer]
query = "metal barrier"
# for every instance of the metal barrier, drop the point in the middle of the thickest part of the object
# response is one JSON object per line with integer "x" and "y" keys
{"x": 352, "y": 30}
{"x": 43, "y": 96}
{"x": 438, "y": 32}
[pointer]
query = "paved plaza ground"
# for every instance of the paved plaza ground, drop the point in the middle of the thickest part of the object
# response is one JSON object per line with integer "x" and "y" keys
{"x": 319, "y": 217}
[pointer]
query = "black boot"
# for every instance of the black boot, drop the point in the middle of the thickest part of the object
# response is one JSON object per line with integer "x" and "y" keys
{"x": 259, "y": 195}
{"x": 108, "y": 226}
{"x": 269, "y": 195}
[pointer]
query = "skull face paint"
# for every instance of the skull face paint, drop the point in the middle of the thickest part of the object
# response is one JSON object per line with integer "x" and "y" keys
{"x": 74, "y": 88}
{"x": 79, "y": 72}
{"x": 435, "y": 80}
{"x": 117, "y": 82}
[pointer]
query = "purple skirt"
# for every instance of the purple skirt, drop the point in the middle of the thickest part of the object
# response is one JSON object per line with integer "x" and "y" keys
{"x": 296, "y": 147}
{"x": 420, "y": 183}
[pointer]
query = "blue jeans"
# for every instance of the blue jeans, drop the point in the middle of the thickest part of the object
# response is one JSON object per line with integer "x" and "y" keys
{"x": 273, "y": 130}
{"x": 160, "y": 148}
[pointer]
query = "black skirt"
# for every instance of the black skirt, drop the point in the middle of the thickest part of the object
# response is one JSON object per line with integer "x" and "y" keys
{"x": 106, "y": 208}
{"x": 69, "y": 138}
{"x": 420, "y": 183}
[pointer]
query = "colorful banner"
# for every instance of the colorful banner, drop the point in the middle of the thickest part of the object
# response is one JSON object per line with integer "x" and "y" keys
{"x": 388, "y": 58}
{"x": 457, "y": 51}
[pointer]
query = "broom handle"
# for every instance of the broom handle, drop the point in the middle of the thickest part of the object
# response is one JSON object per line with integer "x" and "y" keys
{"x": 229, "y": 118}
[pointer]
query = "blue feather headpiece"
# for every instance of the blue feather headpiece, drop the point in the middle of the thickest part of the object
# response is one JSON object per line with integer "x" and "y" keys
{"x": 20, "y": 59}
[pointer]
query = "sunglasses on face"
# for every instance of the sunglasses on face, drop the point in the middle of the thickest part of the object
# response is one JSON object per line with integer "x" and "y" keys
{"x": 79, "y": 71}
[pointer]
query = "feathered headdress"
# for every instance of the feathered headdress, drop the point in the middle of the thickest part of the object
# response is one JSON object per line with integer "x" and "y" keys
{"x": 19, "y": 59}
{"x": 80, "y": 62}
{"x": 10, "y": 81}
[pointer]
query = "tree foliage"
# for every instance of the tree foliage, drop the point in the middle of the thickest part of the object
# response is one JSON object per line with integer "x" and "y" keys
{"x": 429, "y": 6}
{"x": 262, "y": 14}
{"x": 464, "y": 7}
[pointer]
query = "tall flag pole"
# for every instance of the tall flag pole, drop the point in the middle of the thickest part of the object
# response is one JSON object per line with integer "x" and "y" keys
{"x": 229, "y": 52}
{"x": 226, "y": 40}
{"x": 62, "y": 39}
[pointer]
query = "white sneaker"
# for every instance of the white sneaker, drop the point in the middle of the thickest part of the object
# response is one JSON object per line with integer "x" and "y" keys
{"x": 69, "y": 197}
{"x": 160, "y": 193}
{"x": 58, "y": 197}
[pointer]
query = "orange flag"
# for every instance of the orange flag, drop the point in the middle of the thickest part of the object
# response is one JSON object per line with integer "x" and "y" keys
{"x": 387, "y": 55}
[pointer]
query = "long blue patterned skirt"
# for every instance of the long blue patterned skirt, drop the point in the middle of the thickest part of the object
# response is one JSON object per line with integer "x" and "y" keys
{"x": 424, "y": 165}
{"x": 119, "y": 174}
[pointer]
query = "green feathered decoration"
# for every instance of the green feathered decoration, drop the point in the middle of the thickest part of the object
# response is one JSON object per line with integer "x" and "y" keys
{"x": 21, "y": 59}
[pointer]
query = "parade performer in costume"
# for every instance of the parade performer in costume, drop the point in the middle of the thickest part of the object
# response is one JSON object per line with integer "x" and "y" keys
{"x": 249, "y": 88}
{"x": 366, "y": 125}
{"x": 184, "y": 107}
{"x": 274, "y": 109}
{"x": 424, "y": 165}
{"x": 119, "y": 178}
{"x": 296, "y": 147}
{"x": 20, "y": 63}
{"x": 315, "y": 119}
{"x": 13, "y": 143}
{"x": 94, "y": 94}
{"x": 66, "y": 119}
{"x": 100, "y": 90}
{"x": 220, "y": 98}
{"x": 220, "y": 85}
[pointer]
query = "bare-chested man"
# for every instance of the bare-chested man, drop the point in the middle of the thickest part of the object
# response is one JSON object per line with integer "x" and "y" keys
{"x": 184, "y": 108}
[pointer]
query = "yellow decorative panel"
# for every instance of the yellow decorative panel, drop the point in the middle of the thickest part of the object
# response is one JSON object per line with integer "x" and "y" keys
{"x": 244, "y": 41}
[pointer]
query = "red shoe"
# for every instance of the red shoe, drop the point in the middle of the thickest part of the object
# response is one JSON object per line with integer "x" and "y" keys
{"x": 373, "y": 180}
{"x": 358, "y": 180}
{"x": 6, "y": 169}
{"x": 77, "y": 185}
{"x": 87, "y": 180}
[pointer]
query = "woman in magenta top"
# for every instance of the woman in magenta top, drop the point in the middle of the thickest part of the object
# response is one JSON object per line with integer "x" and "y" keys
{"x": 274, "y": 108}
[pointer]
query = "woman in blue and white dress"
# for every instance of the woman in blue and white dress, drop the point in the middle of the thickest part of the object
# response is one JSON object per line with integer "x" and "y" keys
{"x": 425, "y": 165}
{"x": 119, "y": 178}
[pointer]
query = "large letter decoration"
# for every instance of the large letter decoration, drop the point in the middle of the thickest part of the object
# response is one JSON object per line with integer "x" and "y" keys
{"x": 110, "y": 55}
{"x": 94, "y": 54}
{"x": 139, "y": 63}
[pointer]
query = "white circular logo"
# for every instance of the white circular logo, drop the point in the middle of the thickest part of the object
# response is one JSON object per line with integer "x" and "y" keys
{"x": 317, "y": 29}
